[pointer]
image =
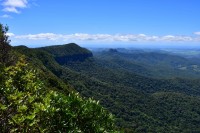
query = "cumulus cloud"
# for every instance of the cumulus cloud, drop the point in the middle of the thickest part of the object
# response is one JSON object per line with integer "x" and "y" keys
{"x": 5, "y": 16}
{"x": 171, "y": 38}
{"x": 14, "y": 5}
{"x": 197, "y": 33}
{"x": 10, "y": 34}
{"x": 11, "y": 9}
{"x": 107, "y": 38}
{"x": 41, "y": 36}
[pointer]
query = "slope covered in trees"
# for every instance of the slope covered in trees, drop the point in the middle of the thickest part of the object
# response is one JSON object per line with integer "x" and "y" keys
{"x": 68, "y": 53}
{"x": 29, "y": 103}
{"x": 140, "y": 102}
{"x": 150, "y": 63}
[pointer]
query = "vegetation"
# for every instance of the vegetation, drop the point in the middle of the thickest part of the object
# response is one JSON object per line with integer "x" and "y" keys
{"x": 140, "y": 103}
{"x": 5, "y": 48}
{"x": 26, "y": 105}
{"x": 146, "y": 91}
{"x": 64, "y": 54}
{"x": 149, "y": 63}
{"x": 143, "y": 104}
{"x": 64, "y": 50}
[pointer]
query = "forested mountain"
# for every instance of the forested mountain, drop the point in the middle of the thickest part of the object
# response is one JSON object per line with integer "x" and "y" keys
{"x": 34, "y": 100}
{"x": 146, "y": 91}
{"x": 67, "y": 53}
{"x": 151, "y": 63}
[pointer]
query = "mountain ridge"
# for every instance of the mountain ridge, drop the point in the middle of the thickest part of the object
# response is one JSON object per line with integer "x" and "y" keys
{"x": 129, "y": 96}
{"x": 68, "y": 53}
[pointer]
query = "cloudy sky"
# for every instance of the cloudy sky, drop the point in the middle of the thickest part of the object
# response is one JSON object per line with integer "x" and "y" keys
{"x": 98, "y": 23}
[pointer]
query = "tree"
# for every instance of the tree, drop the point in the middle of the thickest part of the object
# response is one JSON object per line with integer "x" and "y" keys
{"x": 22, "y": 99}
{"x": 26, "y": 106}
{"x": 5, "y": 47}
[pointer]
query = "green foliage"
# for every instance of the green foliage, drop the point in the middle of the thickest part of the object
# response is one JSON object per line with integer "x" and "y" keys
{"x": 73, "y": 114}
{"x": 153, "y": 64}
{"x": 140, "y": 101}
{"x": 40, "y": 59}
{"x": 129, "y": 97}
{"x": 5, "y": 48}
{"x": 64, "y": 54}
{"x": 25, "y": 106}
{"x": 66, "y": 50}
{"x": 21, "y": 93}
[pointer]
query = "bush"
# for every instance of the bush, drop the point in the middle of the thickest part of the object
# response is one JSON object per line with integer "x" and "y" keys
{"x": 25, "y": 106}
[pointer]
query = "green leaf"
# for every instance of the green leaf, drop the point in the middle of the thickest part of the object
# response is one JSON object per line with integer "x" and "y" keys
{"x": 22, "y": 108}
{"x": 31, "y": 117}
{"x": 3, "y": 107}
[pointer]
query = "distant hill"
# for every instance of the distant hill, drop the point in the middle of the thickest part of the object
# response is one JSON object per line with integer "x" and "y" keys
{"x": 68, "y": 52}
{"x": 154, "y": 64}
{"x": 145, "y": 90}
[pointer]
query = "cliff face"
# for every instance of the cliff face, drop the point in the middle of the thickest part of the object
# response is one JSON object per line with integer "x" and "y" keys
{"x": 72, "y": 58}
{"x": 64, "y": 54}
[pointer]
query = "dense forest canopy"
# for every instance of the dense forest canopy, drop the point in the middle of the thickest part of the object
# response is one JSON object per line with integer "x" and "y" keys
{"x": 68, "y": 88}
{"x": 28, "y": 105}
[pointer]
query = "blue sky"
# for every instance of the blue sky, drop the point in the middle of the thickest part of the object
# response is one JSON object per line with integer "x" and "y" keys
{"x": 102, "y": 22}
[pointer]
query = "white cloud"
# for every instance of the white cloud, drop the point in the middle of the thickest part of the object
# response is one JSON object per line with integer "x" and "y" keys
{"x": 5, "y": 16}
{"x": 51, "y": 38}
{"x": 10, "y": 34}
{"x": 197, "y": 33}
{"x": 171, "y": 38}
{"x": 11, "y": 9}
{"x": 41, "y": 36}
{"x": 14, "y": 5}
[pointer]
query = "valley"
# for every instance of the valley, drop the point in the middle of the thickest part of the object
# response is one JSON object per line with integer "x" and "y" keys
{"x": 147, "y": 91}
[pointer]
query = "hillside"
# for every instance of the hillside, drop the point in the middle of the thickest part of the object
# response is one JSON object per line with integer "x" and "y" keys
{"x": 68, "y": 53}
{"x": 35, "y": 100}
{"x": 150, "y": 63}
{"x": 140, "y": 102}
